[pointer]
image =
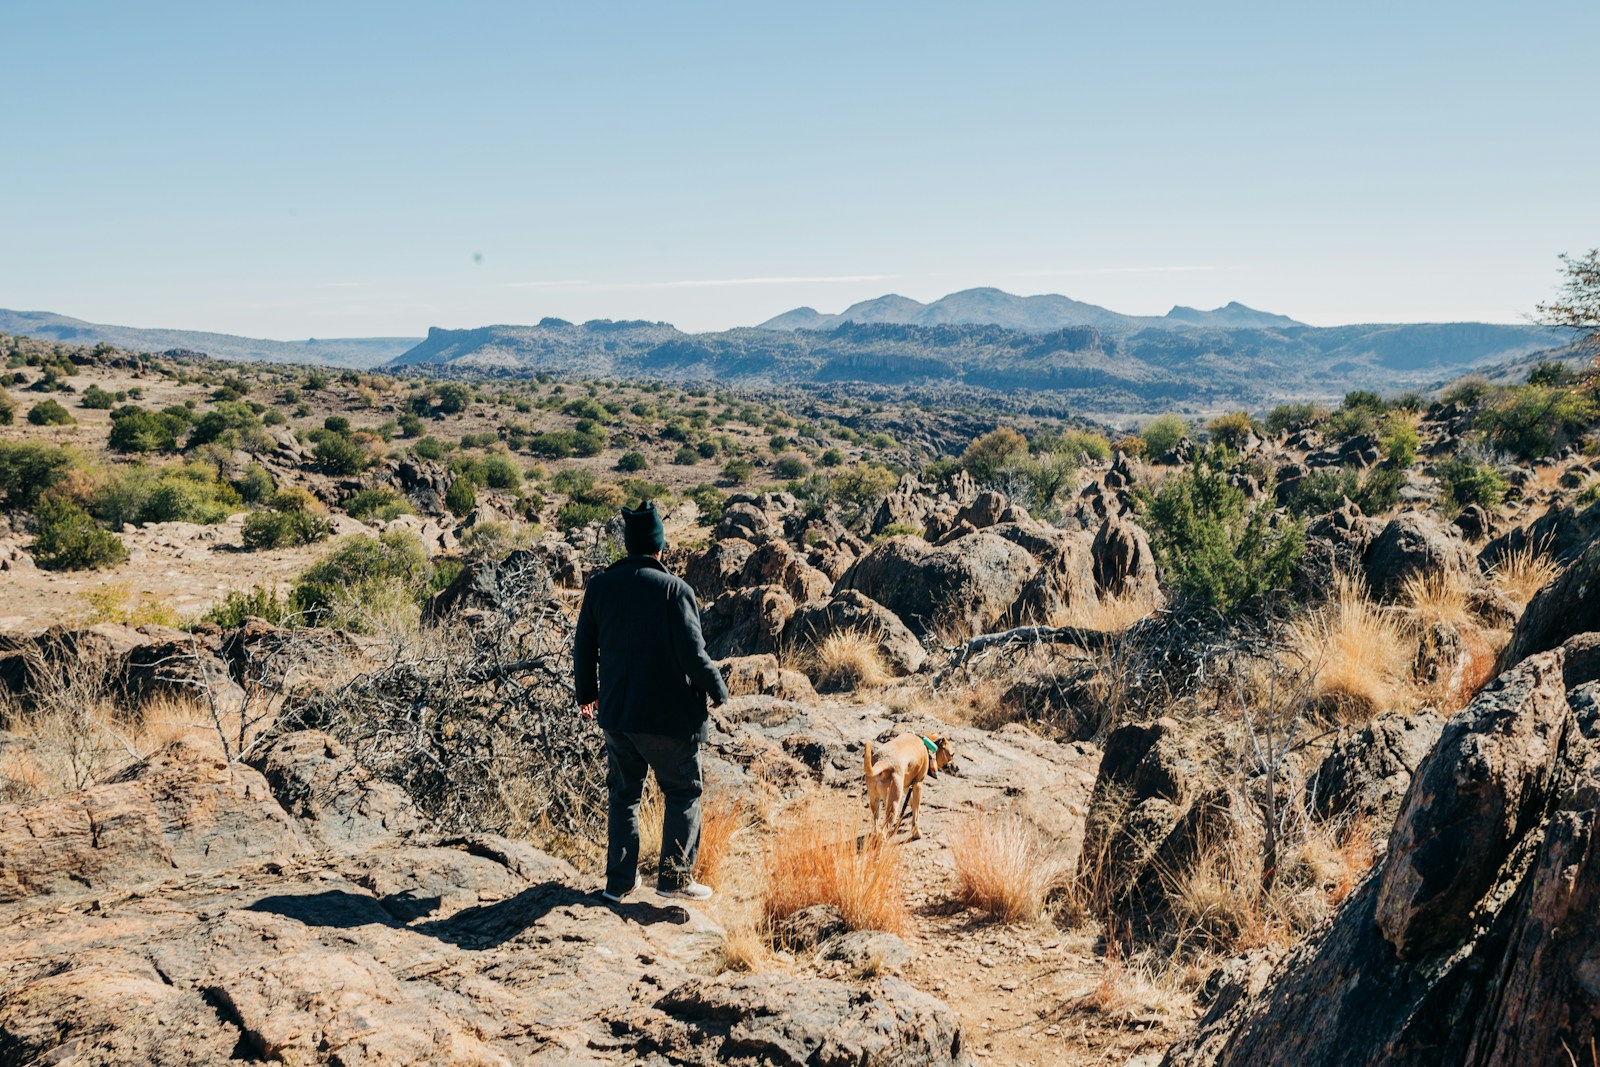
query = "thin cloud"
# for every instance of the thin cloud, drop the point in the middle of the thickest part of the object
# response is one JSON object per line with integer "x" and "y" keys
{"x": 704, "y": 283}
{"x": 1079, "y": 271}
{"x": 345, "y": 285}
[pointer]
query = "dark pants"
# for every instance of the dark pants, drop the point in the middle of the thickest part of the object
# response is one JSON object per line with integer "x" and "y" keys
{"x": 676, "y": 761}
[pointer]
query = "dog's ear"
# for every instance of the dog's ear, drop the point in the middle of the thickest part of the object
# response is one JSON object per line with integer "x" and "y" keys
{"x": 943, "y": 754}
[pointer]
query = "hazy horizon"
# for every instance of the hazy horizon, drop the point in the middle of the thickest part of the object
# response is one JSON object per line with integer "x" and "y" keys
{"x": 374, "y": 170}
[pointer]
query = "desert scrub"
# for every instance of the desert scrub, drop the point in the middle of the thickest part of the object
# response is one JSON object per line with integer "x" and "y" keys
{"x": 1535, "y": 421}
{"x": 381, "y": 502}
{"x": 272, "y": 528}
{"x": 365, "y": 582}
{"x": 1465, "y": 479}
{"x": 1213, "y": 545}
{"x": 50, "y": 413}
{"x": 28, "y": 470}
{"x": 816, "y": 859}
{"x": 847, "y": 660}
{"x": 1162, "y": 434}
{"x": 66, "y": 538}
{"x": 1004, "y": 866}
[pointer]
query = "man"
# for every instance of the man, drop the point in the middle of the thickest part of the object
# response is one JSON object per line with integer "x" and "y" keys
{"x": 640, "y": 659}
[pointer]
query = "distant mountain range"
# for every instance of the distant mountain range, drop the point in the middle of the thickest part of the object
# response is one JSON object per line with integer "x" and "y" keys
{"x": 993, "y": 307}
{"x": 356, "y": 352}
{"x": 1093, "y": 359}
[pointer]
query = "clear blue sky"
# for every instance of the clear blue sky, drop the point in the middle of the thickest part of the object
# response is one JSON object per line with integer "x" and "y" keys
{"x": 294, "y": 169}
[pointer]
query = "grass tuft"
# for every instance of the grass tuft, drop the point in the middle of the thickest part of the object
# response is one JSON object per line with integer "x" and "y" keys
{"x": 1004, "y": 866}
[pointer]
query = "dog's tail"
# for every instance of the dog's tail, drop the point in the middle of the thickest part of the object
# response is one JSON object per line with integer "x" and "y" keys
{"x": 867, "y": 758}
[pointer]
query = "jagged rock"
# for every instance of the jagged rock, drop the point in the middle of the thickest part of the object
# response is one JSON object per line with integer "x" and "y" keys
{"x": 1369, "y": 770}
{"x": 1065, "y": 581}
{"x": 1474, "y": 522}
{"x": 31, "y": 662}
{"x": 799, "y": 1022}
{"x": 1336, "y": 545}
{"x": 868, "y": 951}
{"x": 172, "y": 664}
{"x": 745, "y": 520}
{"x": 745, "y": 622}
{"x": 1562, "y": 532}
{"x": 1567, "y": 606}
{"x": 1123, "y": 562}
{"x": 1415, "y": 545}
{"x": 851, "y": 610}
{"x": 1150, "y": 759}
{"x": 718, "y": 568}
{"x": 1472, "y": 944}
{"x": 908, "y": 505}
{"x": 259, "y": 653}
{"x": 974, "y": 581}
{"x": 425, "y": 482}
{"x": 182, "y": 811}
{"x": 336, "y": 801}
{"x": 761, "y": 676}
{"x": 984, "y": 510}
{"x": 775, "y": 563}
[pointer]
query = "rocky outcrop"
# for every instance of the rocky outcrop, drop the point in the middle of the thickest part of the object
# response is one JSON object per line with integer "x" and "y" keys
{"x": 1472, "y": 943}
{"x": 1124, "y": 566}
{"x": 747, "y": 622}
{"x": 1567, "y": 606}
{"x": 337, "y": 802}
{"x": 1369, "y": 770}
{"x": 390, "y": 949}
{"x": 488, "y": 585}
{"x": 854, "y": 612}
{"x": 762, "y": 676}
{"x": 973, "y": 581}
{"x": 1561, "y": 532}
{"x": 718, "y": 568}
{"x": 775, "y": 563}
{"x": 1336, "y": 545}
{"x": 1417, "y": 545}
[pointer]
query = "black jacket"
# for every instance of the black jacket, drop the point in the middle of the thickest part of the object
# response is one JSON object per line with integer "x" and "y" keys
{"x": 639, "y": 652}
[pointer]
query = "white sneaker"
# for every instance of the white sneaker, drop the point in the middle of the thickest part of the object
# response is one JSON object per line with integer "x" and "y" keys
{"x": 692, "y": 891}
{"x": 616, "y": 898}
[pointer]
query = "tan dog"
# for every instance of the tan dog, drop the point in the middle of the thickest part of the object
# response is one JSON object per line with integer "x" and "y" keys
{"x": 897, "y": 775}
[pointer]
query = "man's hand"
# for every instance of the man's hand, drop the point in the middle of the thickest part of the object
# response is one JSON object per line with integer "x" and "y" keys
{"x": 588, "y": 710}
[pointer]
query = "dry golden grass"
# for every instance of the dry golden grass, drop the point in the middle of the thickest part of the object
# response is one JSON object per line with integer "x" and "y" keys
{"x": 1358, "y": 653}
{"x": 813, "y": 859}
{"x": 1004, "y": 866}
{"x": 1112, "y": 614}
{"x": 848, "y": 660}
{"x": 1439, "y": 597}
{"x": 1523, "y": 572}
{"x": 722, "y": 819}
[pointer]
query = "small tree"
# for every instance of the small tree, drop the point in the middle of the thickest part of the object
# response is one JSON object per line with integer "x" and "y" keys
{"x": 987, "y": 456}
{"x": 1578, "y": 305}
{"x": 66, "y": 538}
{"x": 1162, "y": 434}
{"x": 50, "y": 413}
{"x": 461, "y": 497}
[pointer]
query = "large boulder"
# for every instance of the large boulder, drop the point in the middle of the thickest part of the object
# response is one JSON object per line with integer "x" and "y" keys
{"x": 775, "y": 563}
{"x": 852, "y": 611}
{"x": 336, "y": 801}
{"x": 1567, "y": 606}
{"x": 763, "y": 676}
{"x": 1124, "y": 565}
{"x": 1336, "y": 545}
{"x": 1064, "y": 584}
{"x": 745, "y": 622}
{"x": 909, "y": 504}
{"x": 1562, "y": 532}
{"x": 972, "y": 582}
{"x": 173, "y": 665}
{"x": 1414, "y": 545}
{"x": 719, "y": 567}
{"x": 180, "y": 812}
{"x": 1473, "y": 943}
{"x": 1369, "y": 770}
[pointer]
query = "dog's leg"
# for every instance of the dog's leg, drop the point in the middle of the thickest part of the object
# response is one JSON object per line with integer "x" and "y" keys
{"x": 895, "y": 809}
{"x": 916, "y": 808}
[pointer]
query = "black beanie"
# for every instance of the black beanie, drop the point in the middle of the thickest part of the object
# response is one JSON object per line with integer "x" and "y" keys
{"x": 642, "y": 532}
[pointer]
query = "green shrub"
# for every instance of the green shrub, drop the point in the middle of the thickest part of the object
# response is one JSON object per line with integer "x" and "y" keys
{"x": 985, "y": 457}
{"x": 738, "y": 471}
{"x": 259, "y": 603}
{"x": 1588, "y": 494}
{"x": 50, "y": 413}
{"x": 1321, "y": 491}
{"x": 898, "y": 529}
{"x": 364, "y": 580}
{"x": 337, "y": 424}
{"x": 1364, "y": 400}
{"x": 831, "y": 458}
{"x": 1162, "y": 434}
{"x": 254, "y": 484}
{"x": 8, "y": 408}
{"x": 1466, "y": 480}
{"x": 711, "y": 501}
{"x": 1347, "y": 423}
{"x": 1214, "y": 548}
{"x": 708, "y": 448}
{"x": 1549, "y": 372}
{"x": 1536, "y": 421}
{"x": 1287, "y": 417}
{"x": 135, "y": 429}
{"x": 429, "y": 448}
{"x": 640, "y": 490}
{"x": 270, "y": 528}
{"x": 340, "y": 456}
{"x": 634, "y": 461}
{"x": 790, "y": 467}
{"x": 1042, "y": 481}
{"x": 66, "y": 538}
{"x": 1468, "y": 392}
{"x": 381, "y": 502}
{"x": 227, "y": 423}
{"x": 1399, "y": 441}
{"x": 686, "y": 457}
{"x": 574, "y": 515}
{"x": 500, "y": 471}
{"x": 97, "y": 399}
{"x": 461, "y": 497}
{"x": 179, "y": 497}
{"x": 584, "y": 408}
{"x": 1080, "y": 444}
{"x": 1231, "y": 430}
{"x": 452, "y": 398}
{"x": 27, "y": 470}
{"x": 410, "y": 425}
